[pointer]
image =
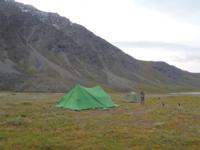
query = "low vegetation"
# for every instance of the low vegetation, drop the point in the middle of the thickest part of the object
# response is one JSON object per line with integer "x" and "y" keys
{"x": 30, "y": 121}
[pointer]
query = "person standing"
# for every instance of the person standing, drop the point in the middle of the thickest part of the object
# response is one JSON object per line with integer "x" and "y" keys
{"x": 142, "y": 96}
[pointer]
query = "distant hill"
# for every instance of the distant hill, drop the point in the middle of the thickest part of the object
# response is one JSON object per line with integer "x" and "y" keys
{"x": 42, "y": 51}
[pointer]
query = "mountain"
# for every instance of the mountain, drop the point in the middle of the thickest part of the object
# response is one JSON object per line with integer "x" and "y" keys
{"x": 42, "y": 51}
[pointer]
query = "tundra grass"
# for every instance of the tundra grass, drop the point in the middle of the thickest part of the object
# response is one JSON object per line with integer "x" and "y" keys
{"x": 30, "y": 121}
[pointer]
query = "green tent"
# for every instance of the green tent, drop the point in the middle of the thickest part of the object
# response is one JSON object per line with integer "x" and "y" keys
{"x": 80, "y": 98}
{"x": 132, "y": 97}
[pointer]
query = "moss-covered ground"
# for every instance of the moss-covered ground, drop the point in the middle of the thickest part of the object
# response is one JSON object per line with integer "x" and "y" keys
{"x": 29, "y": 121}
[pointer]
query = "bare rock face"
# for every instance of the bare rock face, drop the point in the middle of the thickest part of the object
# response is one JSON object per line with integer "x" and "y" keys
{"x": 9, "y": 0}
{"x": 42, "y": 51}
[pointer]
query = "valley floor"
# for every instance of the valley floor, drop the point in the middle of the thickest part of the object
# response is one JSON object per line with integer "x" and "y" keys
{"x": 29, "y": 121}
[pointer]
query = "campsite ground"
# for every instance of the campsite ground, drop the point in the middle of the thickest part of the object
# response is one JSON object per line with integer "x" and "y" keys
{"x": 29, "y": 121}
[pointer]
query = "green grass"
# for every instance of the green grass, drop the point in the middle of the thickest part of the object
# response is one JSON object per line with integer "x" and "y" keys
{"x": 160, "y": 88}
{"x": 29, "y": 121}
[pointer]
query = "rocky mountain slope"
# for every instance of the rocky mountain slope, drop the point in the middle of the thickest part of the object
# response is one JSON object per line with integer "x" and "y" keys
{"x": 42, "y": 51}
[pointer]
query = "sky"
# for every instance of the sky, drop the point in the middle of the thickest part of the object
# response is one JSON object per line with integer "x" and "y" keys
{"x": 152, "y": 30}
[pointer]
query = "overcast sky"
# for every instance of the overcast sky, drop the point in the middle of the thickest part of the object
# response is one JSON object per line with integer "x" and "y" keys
{"x": 158, "y": 30}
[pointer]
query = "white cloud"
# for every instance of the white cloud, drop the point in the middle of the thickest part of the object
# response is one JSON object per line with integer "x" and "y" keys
{"x": 183, "y": 10}
{"x": 121, "y": 20}
{"x": 185, "y": 60}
